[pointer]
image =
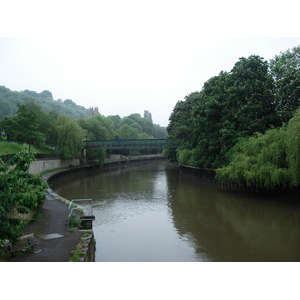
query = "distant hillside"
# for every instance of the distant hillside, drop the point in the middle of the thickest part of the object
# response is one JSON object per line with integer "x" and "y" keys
{"x": 9, "y": 101}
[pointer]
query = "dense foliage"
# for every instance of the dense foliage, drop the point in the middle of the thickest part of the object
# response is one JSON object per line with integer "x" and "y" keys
{"x": 285, "y": 71}
{"x": 32, "y": 125}
{"x": 69, "y": 137}
{"x": 20, "y": 191}
{"x": 35, "y": 119}
{"x": 211, "y": 125}
{"x": 9, "y": 101}
{"x": 269, "y": 160}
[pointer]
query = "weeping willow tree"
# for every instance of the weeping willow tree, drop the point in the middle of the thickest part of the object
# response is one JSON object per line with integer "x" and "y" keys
{"x": 183, "y": 155}
{"x": 269, "y": 160}
{"x": 69, "y": 137}
{"x": 293, "y": 148}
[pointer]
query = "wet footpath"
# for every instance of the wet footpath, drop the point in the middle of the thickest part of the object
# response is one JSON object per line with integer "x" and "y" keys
{"x": 54, "y": 241}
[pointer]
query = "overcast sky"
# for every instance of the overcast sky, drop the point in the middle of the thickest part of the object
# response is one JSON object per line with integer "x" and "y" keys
{"x": 129, "y": 56}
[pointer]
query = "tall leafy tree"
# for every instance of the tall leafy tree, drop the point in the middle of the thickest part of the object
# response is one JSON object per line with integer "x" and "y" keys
{"x": 159, "y": 132}
{"x": 293, "y": 148}
{"x": 230, "y": 106}
{"x": 25, "y": 127}
{"x": 9, "y": 126}
{"x": 268, "y": 161}
{"x": 31, "y": 125}
{"x": 116, "y": 120}
{"x": 285, "y": 69}
{"x": 147, "y": 126}
{"x": 44, "y": 100}
{"x": 142, "y": 125}
{"x": 179, "y": 127}
{"x": 252, "y": 97}
{"x": 211, "y": 133}
{"x": 6, "y": 108}
{"x": 98, "y": 128}
{"x": 69, "y": 137}
{"x": 128, "y": 132}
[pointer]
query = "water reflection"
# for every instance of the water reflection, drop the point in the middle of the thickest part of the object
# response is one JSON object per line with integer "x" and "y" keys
{"x": 229, "y": 225}
{"x": 148, "y": 212}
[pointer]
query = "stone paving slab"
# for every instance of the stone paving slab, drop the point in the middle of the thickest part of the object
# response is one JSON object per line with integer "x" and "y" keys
{"x": 50, "y": 236}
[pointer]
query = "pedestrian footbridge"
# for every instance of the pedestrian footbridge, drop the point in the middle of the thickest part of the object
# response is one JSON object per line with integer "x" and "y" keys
{"x": 131, "y": 144}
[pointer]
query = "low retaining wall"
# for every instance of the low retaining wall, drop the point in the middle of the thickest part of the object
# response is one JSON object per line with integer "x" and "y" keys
{"x": 24, "y": 217}
{"x": 39, "y": 166}
{"x": 55, "y": 175}
{"x": 203, "y": 174}
{"x": 85, "y": 249}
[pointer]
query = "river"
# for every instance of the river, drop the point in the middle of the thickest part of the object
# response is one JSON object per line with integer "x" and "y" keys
{"x": 149, "y": 212}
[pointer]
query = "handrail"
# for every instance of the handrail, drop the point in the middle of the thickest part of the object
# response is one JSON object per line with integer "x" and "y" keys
{"x": 72, "y": 208}
{"x": 73, "y": 200}
{"x": 69, "y": 216}
{"x": 134, "y": 143}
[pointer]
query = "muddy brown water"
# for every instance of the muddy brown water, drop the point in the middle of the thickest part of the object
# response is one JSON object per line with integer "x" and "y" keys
{"x": 150, "y": 212}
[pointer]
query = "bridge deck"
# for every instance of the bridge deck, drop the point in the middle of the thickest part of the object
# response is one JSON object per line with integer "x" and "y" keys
{"x": 130, "y": 144}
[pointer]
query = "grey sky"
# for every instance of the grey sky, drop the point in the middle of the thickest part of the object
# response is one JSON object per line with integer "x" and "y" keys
{"x": 126, "y": 58}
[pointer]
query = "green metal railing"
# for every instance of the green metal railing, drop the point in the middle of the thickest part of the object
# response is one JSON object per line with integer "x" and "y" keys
{"x": 130, "y": 144}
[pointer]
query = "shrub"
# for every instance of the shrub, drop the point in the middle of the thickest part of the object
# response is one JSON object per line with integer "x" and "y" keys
{"x": 20, "y": 191}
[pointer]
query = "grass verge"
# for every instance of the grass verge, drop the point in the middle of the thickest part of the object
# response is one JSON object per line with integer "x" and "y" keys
{"x": 12, "y": 148}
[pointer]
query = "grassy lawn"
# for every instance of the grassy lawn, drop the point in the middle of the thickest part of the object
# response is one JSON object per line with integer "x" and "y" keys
{"x": 42, "y": 149}
{"x": 11, "y": 148}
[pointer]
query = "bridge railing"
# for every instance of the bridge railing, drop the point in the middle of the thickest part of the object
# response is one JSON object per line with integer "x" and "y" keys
{"x": 137, "y": 143}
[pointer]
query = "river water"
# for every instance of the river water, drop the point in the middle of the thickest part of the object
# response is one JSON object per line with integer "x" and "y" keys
{"x": 150, "y": 212}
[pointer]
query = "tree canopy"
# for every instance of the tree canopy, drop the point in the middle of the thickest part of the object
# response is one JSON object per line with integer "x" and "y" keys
{"x": 35, "y": 118}
{"x": 9, "y": 101}
{"x": 269, "y": 160}
{"x": 234, "y": 110}
{"x": 69, "y": 137}
{"x": 98, "y": 128}
{"x": 285, "y": 69}
{"x": 231, "y": 105}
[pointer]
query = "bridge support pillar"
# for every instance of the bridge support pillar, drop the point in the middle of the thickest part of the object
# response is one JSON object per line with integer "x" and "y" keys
{"x": 83, "y": 159}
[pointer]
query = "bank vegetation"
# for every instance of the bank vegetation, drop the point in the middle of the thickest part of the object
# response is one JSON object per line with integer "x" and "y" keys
{"x": 20, "y": 194}
{"x": 245, "y": 123}
{"x": 37, "y": 119}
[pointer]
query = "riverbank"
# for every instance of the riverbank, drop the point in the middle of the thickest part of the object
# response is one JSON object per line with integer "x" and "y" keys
{"x": 203, "y": 174}
{"x": 57, "y": 174}
{"x": 209, "y": 175}
{"x": 55, "y": 243}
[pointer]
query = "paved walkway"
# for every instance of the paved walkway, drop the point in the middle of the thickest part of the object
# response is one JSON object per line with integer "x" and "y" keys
{"x": 55, "y": 242}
